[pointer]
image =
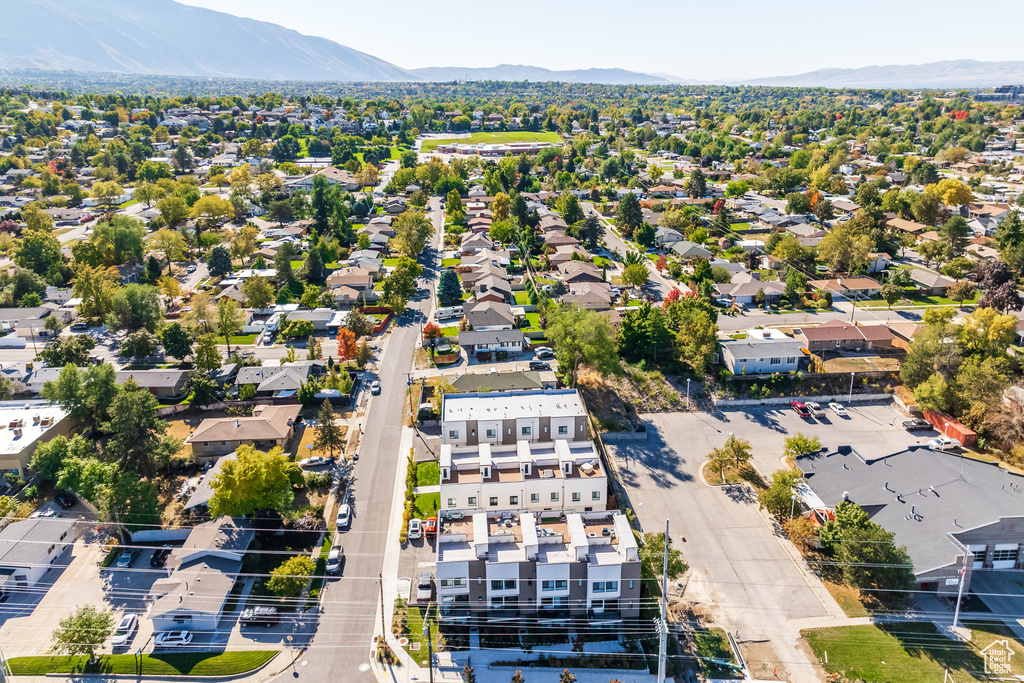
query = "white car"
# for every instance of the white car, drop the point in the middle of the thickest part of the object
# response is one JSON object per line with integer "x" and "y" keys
{"x": 123, "y": 635}
{"x": 424, "y": 587}
{"x": 315, "y": 461}
{"x": 374, "y": 387}
{"x": 815, "y": 409}
{"x": 173, "y": 639}
{"x": 415, "y": 528}
{"x": 344, "y": 516}
{"x": 943, "y": 443}
{"x": 838, "y": 409}
{"x": 334, "y": 559}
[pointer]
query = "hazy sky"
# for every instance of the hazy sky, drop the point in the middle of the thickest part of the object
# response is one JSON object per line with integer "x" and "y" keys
{"x": 703, "y": 40}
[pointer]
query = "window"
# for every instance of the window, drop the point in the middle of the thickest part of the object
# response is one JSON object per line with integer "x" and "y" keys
{"x": 453, "y": 433}
{"x": 554, "y": 585}
{"x": 598, "y": 587}
{"x": 575, "y": 496}
{"x": 534, "y": 497}
{"x": 547, "y": 602}
{"x": 554, "y": 497}
{"x": 605, "y": 586}
{"x": 1004, "y": 555}
{"x": 513, "y": 500}
{"x": 548, "y": 585}
{"x": 776, "y": 361}
{"x": 493, "y": 501}
{"x": 492, "y": 433}
{"x": 503, "y": 584}
{"x": 454, "y": 583}
{"x": 595, "y": 495}
{"x": 526, "y": 431}
{"x": 451, "y": 502}
{"x": 631, "y": 584}
{"x": 791, "y": 360}
{"x": 472, "y": 501}
{"x": 186, "y": 619}
{"x": 562, "y": 429}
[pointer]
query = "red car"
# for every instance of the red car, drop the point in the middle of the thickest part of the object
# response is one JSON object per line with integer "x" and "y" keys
{"x": 801, "y": 410}
{"x": 430, "y": 527}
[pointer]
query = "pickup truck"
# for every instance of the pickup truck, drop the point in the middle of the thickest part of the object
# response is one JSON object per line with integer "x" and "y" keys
{"x": 815, "y": 408}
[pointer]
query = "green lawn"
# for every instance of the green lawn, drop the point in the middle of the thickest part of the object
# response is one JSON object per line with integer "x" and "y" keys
{"x": 391, "y": 262}
{"x": 450, "y": 331}
{"x": 601, "y": 262}
{"x": 712, "y": 644}
{"x": 242, "y": 340}
{"x": 494, "y": 138}
{"x": 415, "y": 621}
{"x": 916, "y": 300}
{"x": 522, "y": 298}
{"x": 897, "y": 653}
{"x": 297, "y": 264}
{"x": 740, "y": 227}
{"x": 428, "y": 473}
{"x": 466, "y": 296}
{"x": 447, "y": 262}
{"x": 426, "y": 504}
{"x": 534, "y": 321}
{"x": 170, "y": 664}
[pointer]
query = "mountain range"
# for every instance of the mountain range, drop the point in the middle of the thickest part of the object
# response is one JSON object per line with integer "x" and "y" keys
{"x": 163, "y": 37}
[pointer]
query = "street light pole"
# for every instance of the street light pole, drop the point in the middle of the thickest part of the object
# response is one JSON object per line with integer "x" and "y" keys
{"x": 430, "y": 647}
{"x": 852, "y": 375}
{"x": 792, "y": 505}
{"x": 687, "y": 393}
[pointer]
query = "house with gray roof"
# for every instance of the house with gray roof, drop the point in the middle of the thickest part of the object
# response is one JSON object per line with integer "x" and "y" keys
{"x": 929, "y": 282}
{"x": 760, "y": 356}
{"x": 939, "y": 505}
{"x": 29, "y": 547}
{"x": 270, "y": 380}
{"x": 483, "y": 341}
{"x": 686, "y": 249}
{"x": 164, "y": 383}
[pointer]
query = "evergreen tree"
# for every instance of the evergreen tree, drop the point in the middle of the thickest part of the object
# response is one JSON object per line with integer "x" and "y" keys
{"x": 328, "y": 433}
{"x": 449, "y": 292}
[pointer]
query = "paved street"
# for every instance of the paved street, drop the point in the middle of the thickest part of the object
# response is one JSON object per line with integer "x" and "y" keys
{"x": 351, "y": 612}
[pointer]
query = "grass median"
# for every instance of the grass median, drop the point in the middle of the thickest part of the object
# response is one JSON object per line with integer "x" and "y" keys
{"x": 170, "y": 664}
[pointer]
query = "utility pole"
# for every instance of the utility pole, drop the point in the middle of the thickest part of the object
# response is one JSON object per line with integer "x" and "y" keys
{"x": 852, "y": 375}
{"x": 664, "y": 626}
{"x": 383, "y": 628}
{"x": 430, "y": 647}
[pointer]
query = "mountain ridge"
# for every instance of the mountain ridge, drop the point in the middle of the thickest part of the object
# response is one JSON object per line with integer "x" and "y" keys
{"x": 964, "y": 73}
{"x": 526, "y": 72}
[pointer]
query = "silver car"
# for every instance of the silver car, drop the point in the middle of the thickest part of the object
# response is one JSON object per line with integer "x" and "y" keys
{"x": 123, "y": 635}
{"x": 424, "y": 587}
{"x": 334, "y": 559}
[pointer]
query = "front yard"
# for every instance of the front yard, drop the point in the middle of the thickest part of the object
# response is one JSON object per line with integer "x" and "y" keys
{"x": 167, "y": 664}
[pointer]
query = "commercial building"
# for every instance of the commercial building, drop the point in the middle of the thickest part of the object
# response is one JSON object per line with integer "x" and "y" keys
{"x": 552, "y": 565}
{"x": 509, "y": 417}
{"x": 23, "y": 426}
{"x": 525, "y": 476}
{"x": 939, "y": 505}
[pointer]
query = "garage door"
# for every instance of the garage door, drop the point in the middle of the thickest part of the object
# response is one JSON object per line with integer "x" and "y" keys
{"x": 1005, "y": 556}
{"x": 979, "y": 555}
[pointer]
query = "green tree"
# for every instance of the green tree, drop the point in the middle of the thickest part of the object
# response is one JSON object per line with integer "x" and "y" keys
{"x": 696, "y": 333}
{"x": 207, "y": 354}
{"x": 628, "y": 215}
{"x": 259, "y": 292}
{"x": 449, "y": 291}
{"x": 329, "y": 436}
{"x": 644, "y": 235}
{"x": 801, "y": 444}
{"x": 796, "y": 284}
{"x": 85, "y": 394}
{"x": 891, "y": 293}
{"x": 844, "y": 250}
{"x": 68, "y": 351}
{"x": 412, "y": 229}
{"x": 289, "y": 578}
{"x": 871, "y": 561}
{"x": 136, "y": 307}
{"x": 961, "y": 290}
{"x": 778, "y": 499}
{"x": 569, "y": 206}
{"x": 83, "y": 631}
{"x": 202, "y": 389}
{"x": 582, "y": 337}
{"x": 954, "y": 235}
{"x": 50, "y": 456}
{"x": 139, "y": 344}
{"x": 137, "y": 440}
{"x": 210, "y": 211}
{"x": 635, "y": 275}
{"x": 219, "y": 262}
{"x": 176, "y": 340}
{"x": 643, "y": 333}
{"x": 174, "y": 210}
{"x": 39, "y": 252}
{"x": 120, "y": 240}
{"x": 254, "y": 481}
{"x": 652, "y": 557}
{"x": 697, "y": 185}
{"x": 229, "y": 320}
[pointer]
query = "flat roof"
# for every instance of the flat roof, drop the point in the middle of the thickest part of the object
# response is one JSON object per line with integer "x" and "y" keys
{"x": 33, "y": 419}
{"x": 25, "y": 542}
{"x": 925, "y": 497}
{"x": 511, "y": 405}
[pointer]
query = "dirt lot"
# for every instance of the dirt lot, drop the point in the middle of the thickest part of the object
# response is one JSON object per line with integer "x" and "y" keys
{"x": 615, "y": 401}
{"x": 861, "y": 363}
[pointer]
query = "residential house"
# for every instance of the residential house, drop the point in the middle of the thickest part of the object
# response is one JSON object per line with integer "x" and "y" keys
{"x": 746, "y": 290}
{"x": 320, "y": 317}
{"x": 808, "y": 235}
{"x": 573, "y": 272}
{"x": 839, "y": 334}
{"x": 522, "y": 477}
{"x": 492, "y": 341}
{"x": 664, "y": 238}
{"x": 28, "y": 549}
{"x": 752, "y": 356}
{"x": 285, "y": 380}
{"x": 469, "y": 419}
{"x": 878, "y": 262}
{"x": 482, "y": 271}
{"x": 488, "y": 315}
{"x": 269, "y": 427}
{"x": 492, "y": 288}
{"x": 486, "y": 382}
{"x": 203, "y": 572}
{"x": 689, "y": 250}
{"x": 929, "y": 282}
{"x": 595, "y": 296}
{"x": 906, "y": 226}
{"x": 849, "y": 287}
{"x": 162, "y": 383}
{"x": 543, "y": 565}
{"x": 473, "y": 242}
{"x": 26, "y": 319}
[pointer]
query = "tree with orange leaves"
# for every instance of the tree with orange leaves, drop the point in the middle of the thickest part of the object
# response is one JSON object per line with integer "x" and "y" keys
{"x": 347, "y": 347}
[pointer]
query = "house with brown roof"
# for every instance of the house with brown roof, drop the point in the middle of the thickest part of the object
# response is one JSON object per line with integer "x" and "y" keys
{"x": 839, "y": 334}
{"x": 269, "y": 426}
{"x": 849, "y": 287}
{"x": 579, "y": 271}
{"x": 906, "y": 226}
{"x": 492, "y": 288}
{"x": 481, "y": 271}
{"x": 473, "y": 242}
{"x": 595, "y": 296}
{"x": 341, "y": 177}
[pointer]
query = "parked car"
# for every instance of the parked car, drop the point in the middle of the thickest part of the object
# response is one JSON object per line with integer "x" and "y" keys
{"x": 190, "y": 268}
{"x": 424, "y": 587}
{"x": 801, "y": 410}
{"x": 539, "y": 365}
{"x": 943, "y": 443}
{"x": 315, "y": 461}
{"x": 260, "y": 616}
{"x": 815, "y": 408}
{"x": 838, "y": 409}
{"x": 123, "y": 635}
{"x": 173, "y": 639}
{"x": 160, "y": 556}
{"x": 334, "y": 559}
{"x": 375, "y": 387}
{"x": 127, "y": 559}
{"x": 415, "y": 529}
{"x": 544, "y": 352}
{"x": 344, "y": 517}
{"x": 79, "y": 326}
{"x": 430, "y": 527}
{"x": 65, "y": 500}
{"x": 724, "y": 303}
{"x": 915, "y": 424}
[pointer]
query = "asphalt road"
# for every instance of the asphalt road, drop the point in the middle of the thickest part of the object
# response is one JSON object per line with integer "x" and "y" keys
{"x": 339, "y": 650}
